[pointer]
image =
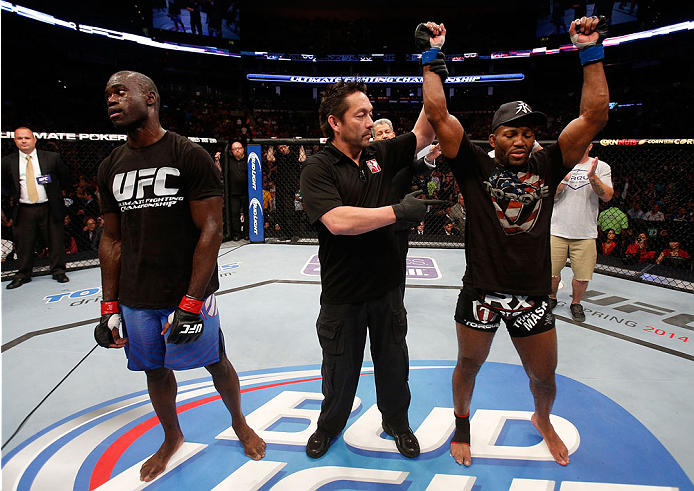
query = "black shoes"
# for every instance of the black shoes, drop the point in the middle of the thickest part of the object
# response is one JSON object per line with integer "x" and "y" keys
{"x": 317, "y": 445}
{"x": 577, "y": 312}
{"x": 61, "y": 278}
{"x": 17, "y": 282}
{"x": 552, "y": 303}
{"x": 406, "y": 442}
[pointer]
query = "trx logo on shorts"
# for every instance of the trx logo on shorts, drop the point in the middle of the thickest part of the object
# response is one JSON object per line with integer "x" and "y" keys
{"x": 373, "y": 166}
{"x": 509, "y": 305}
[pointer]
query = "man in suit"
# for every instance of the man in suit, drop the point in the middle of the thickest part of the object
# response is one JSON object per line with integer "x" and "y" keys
{"x": 91, "y": 236}
{"x": 35, "y": 180}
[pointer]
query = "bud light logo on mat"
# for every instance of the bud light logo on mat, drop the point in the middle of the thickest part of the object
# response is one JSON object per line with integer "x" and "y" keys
{"x": 104, "y": 446}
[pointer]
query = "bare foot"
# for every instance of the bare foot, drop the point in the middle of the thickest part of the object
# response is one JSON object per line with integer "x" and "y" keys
{"x": 156, "y": 464}
{"x": 253, "y": 445}
{"x": 461, "y": 453}
{"x": 554, "y": 443}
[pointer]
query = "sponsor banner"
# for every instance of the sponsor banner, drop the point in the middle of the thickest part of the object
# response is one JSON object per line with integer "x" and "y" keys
{"x": 103, "y": 446}
{"x": 50, "y": 135}
{"x": 655, "y": 141}
{"x": 256, "y": 221}
{"x": 383, "y": 79}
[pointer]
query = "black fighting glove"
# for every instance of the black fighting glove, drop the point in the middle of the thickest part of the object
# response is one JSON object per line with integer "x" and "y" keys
{"x": 110, "y": 319}
{"x": 591, "y": 51}
{"x": 438, "y": 66}
{"x": 431, "y": 51}
{"x": 185, "y": 322}
{"x": 411, "y": 209}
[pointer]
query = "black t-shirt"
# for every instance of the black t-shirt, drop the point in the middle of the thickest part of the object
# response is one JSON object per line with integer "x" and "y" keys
{"x": 238, "y": 176}
{"x": 150, "y": 189}
{"x": 355, "y": 268}
{"x": 508, "y": 212}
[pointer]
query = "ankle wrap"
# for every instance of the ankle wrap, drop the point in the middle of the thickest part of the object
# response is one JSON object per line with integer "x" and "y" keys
{"x": 462, "y": 429}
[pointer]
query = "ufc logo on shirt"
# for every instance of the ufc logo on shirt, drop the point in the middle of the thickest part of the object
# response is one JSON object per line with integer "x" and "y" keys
{"x": 373, "y": 166}
{"x": 133, "y": 184}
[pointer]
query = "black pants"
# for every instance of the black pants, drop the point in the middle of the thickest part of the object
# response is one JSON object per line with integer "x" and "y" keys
{"x": 195, "y": 22}
{"x": 342, "y": 335}
{"x": 402, "y": 238}
{"x": 237, "y": 205}
{"x": 33, "y": 220}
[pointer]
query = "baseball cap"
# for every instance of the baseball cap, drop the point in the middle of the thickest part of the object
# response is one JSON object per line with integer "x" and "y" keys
{"x": 513, "y": 112}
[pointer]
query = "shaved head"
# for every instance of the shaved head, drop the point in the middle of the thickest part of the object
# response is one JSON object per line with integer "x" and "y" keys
{"x": 145, "y": 83}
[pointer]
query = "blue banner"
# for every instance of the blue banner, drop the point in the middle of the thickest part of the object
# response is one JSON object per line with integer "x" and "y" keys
{"x": 256, "y": 232}
{"x": 383, "y": 79}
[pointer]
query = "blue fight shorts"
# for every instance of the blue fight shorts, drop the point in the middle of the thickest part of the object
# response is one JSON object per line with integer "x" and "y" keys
{"x": 484, "y": 311}
{"x": 147, "y": 349}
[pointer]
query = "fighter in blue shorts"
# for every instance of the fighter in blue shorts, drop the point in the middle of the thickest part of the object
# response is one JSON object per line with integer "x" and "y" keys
{"x": 147, "y": 349}
{"x": 161, "y": 196}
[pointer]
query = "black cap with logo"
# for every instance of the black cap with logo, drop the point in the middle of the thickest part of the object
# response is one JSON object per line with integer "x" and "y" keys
{"x": 517, "y": 113}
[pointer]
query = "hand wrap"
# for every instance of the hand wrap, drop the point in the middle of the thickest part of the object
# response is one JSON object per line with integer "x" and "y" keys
{"x": 185, "y": 322}
{"x": 110, "y": 318}
{"x": 422, "y": 39}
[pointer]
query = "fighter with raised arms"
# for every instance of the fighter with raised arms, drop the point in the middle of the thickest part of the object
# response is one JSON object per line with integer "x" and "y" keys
{"x": 509, "y": 200}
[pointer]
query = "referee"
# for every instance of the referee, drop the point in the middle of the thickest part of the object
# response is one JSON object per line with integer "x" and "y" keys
{"x": 347, "y": 193}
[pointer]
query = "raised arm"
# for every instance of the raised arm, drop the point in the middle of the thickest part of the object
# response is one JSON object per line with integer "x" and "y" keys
{"x": 600, "y": 188}
{"x": 587, "y": 34}
{"x": 424, "y": 131}
{"x": 446, "y": 127}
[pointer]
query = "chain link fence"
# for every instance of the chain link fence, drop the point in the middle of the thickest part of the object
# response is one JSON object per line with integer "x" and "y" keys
{"x": 653, "y": 182}
{"x": 645, "y": 173}
{"x": 651, "y": 213}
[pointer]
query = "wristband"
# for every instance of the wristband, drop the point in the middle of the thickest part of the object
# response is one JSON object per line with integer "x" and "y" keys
{"x": 429, "y": 55}
{"x": 109, "y": 307}
{"x": 589, "y": 55}
{"x": 565, "y": 183}
{"x": 190, "y": 304}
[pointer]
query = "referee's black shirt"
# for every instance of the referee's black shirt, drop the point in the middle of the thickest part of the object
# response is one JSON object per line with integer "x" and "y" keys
{"x": 355, "y": 268}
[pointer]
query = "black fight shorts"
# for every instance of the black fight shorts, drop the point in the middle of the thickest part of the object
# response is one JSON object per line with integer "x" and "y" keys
{"x": 484, "y": 311}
